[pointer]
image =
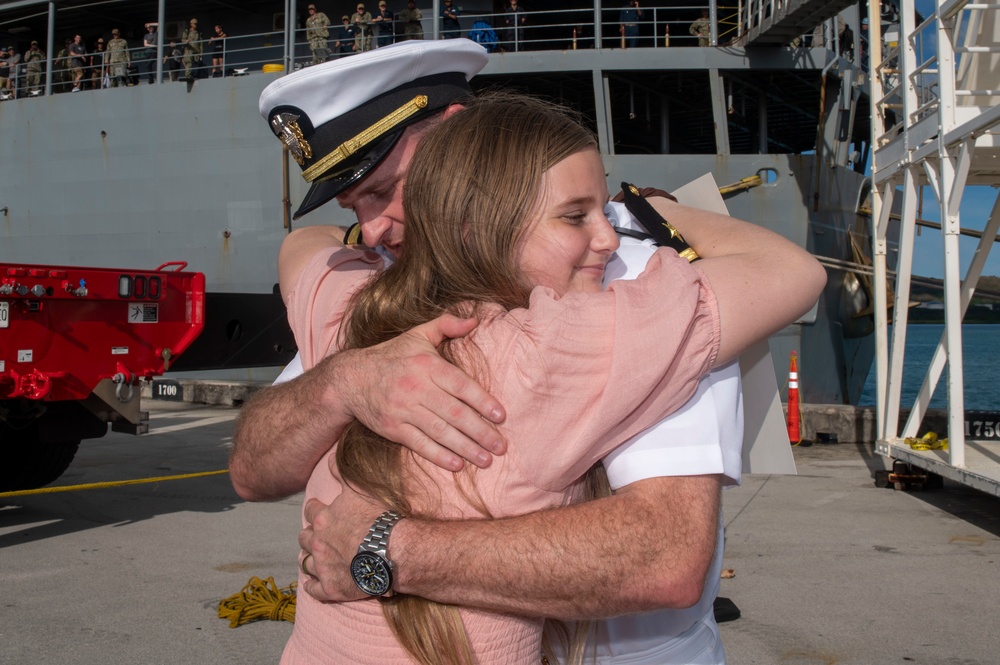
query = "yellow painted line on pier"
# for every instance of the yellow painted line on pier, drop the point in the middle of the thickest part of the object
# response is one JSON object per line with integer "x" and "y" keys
{"x": 116, "y": 483}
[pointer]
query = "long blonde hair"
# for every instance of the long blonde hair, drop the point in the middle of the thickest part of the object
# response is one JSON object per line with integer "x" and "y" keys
{"x": 472, "y": 187}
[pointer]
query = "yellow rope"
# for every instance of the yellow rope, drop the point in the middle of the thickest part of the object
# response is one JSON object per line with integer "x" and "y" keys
{"x": 743, "y": 183}
{"x": 928, "y": 441}
{"x": 260, "y": 599}
{"x": 117, "y": 483}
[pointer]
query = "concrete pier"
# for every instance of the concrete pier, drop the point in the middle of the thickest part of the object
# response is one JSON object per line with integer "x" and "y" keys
{"x": 820, "y": 422}
{"x": 828, "y": 567}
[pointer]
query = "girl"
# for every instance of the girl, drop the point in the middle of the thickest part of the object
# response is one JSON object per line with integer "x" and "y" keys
{"x": 217, "y": 42}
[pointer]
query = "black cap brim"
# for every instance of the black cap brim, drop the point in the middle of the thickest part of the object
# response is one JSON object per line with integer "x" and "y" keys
{"x": 323, "y": 191}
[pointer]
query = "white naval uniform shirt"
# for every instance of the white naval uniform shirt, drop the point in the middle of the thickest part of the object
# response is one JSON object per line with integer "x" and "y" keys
{"x": 704, "y": 437}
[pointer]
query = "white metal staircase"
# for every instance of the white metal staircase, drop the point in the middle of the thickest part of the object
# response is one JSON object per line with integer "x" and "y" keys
{"x": 936, "y": 123}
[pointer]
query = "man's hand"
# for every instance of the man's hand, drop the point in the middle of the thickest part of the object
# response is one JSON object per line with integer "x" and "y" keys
{"x": 401, "y": 389}
{"x": 331, "y": 540}
{"x": 406, "y": 392}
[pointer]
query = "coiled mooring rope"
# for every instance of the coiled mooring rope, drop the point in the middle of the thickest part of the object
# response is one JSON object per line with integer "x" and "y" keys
{"x": 259, "y": 600}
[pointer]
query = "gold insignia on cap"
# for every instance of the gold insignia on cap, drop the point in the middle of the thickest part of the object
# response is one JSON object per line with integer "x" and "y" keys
{"x": 286, "y": 127}
{"x": 355, "y": 143}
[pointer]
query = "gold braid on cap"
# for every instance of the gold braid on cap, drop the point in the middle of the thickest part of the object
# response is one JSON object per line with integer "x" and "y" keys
{"x": 352, "y": 145}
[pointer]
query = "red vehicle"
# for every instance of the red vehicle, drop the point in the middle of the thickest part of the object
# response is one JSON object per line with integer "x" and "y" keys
{"x": 75, "y": 343}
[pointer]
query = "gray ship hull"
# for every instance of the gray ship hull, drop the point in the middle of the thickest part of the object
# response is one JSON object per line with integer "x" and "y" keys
{"x": 137, "y": 177}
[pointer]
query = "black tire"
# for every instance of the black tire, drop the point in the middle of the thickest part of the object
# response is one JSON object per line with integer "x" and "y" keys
{"x": 26, "y": 464}
{"x": 881, "y": 478}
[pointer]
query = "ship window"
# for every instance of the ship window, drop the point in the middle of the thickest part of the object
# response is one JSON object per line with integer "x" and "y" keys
{"x": 768, "y": 176}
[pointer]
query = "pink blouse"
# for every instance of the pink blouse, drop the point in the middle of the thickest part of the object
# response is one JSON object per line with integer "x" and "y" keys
{"x": 578, "y": 375}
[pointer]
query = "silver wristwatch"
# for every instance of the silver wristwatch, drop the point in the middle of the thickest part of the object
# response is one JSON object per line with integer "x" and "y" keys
{"x": 370, "y": 567}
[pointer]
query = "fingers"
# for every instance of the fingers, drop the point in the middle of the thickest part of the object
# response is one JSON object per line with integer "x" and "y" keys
{"x": 312, "y": 507}
{"x": 329, "y": 542}
{"x": 446, "y": 326}
{"x": 455, "y": 448}
{"x": 305, "y": 539}
{"x": 445, "y": 430}
{"x": 467, "y": 392}
{"x": 416, "y": 398}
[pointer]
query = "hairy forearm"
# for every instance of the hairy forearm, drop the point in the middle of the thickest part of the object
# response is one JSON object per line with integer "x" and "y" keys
{"x": 648, "y": 547}
{"x": 283, "y": 431}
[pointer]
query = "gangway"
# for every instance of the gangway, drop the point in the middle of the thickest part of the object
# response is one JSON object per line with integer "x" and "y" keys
{"x": 778, "y": 22}
{"x": 936, "y": 123}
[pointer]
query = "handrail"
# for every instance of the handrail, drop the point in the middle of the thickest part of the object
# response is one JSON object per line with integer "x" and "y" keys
{"x": 661, "y": 26}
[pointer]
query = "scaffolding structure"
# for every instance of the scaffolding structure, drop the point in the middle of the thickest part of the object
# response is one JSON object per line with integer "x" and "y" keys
{"x": 936, "y": 124}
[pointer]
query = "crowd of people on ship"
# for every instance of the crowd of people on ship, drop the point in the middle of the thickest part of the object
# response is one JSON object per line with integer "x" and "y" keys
{"x": 95, "y": 63}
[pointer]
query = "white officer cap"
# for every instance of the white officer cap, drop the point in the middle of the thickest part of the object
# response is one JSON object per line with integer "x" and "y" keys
{"x": 341, "y": 118}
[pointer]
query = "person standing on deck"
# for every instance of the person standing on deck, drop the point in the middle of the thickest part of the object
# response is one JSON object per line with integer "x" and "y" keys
{"x": 218, "y": 44}
{"x": 13, "y": 60}
{"x": 386, "y": 27}
{"x": 149, "y": 55}
{"x": 317, "y": 32}
{"x": 702, "y": 29}
{"x": 450, "y": 27}
{"x": 629, "y": 28}
{"x": 191, "y": 39}
{"x": 345, "y": 37}
{"x": 98, "y": 71}
{"x": 62, "y": 75}
{"x": 514, "y": 17}
{"x": 411, "y": 17}
{"x": 362, "y": 22}
{"x": 35, "y": 58}
{"x": 118, "y": 59}
{"x": 78, "y": 54}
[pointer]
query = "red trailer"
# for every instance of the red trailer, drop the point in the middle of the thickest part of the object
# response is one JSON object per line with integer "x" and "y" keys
{"x": 75, "y": 343}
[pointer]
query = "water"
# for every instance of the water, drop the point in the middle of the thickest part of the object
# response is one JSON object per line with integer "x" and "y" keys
{"x": 981, "y": 348}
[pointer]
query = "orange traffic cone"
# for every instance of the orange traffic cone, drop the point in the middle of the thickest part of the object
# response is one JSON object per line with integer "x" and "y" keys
{"x": 794, "y": 428}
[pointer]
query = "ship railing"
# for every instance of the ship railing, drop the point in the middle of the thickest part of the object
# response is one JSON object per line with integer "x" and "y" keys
{"x": 922, "y": 78}
{"x": 585, "y": 27}
{"x": 759, "y": 11}
{"x": 575, "y": 28}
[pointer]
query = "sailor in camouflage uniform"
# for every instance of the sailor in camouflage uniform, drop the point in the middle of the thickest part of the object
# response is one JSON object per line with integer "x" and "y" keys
{"x": 191, "y": 39}
{"x": 117, "y": 59}
{"x": 62, "y": 76}
{"x": 411, "y": 17}
{"x": 362, "y": 22}
{"x": 317, "y": 32}
{"x": 702, "y": 29}
{"x": 34, "y": 57}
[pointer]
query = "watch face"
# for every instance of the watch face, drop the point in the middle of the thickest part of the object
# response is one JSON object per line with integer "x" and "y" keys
{"x": 371, "y": 573}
